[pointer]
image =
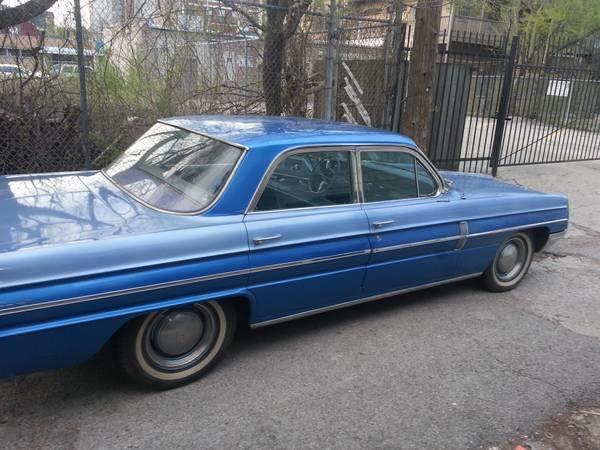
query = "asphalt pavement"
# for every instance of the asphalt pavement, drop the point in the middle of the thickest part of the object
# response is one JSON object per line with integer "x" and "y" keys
{"x": 453, "y": 367}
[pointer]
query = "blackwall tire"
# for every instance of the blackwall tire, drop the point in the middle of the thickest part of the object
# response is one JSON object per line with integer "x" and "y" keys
{"x": 173, "y": 347}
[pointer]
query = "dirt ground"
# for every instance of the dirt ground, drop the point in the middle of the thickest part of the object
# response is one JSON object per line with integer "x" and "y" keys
{"x": 576, "y": 429}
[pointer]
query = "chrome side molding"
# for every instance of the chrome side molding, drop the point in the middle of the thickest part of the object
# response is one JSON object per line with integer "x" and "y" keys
{"x": 518, "y": 227}
{"x": 361, "y": 300}
{"x": 464, "y": 236}
{"x": 19, "y": 308}
{"x": 416, "y": 244}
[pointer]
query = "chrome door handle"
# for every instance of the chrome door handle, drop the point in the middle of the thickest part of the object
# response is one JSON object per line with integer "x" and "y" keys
{"x": 382, "y": 223}
{"x": 262, "y": 239}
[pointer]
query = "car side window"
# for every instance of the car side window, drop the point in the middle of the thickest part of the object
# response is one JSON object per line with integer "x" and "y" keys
{"x": 388, "y": 175}
{"x": 309, "y": 179}
{"x": 427, "y": 185}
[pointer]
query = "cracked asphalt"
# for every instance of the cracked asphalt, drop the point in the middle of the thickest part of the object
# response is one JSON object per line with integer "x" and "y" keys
{"x": 447, "y": 368}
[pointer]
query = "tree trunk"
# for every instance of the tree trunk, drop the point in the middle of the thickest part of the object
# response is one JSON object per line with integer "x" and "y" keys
{"x": 273, "y": 55}
{"x": 419, "y": 101}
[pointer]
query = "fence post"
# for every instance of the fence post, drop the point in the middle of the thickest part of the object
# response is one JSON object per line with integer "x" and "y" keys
{"x": 83, "y": 106}
{"x": 503, "y": 105}
{"x": 330, "y": 62}
{"x": 400, "y": 61}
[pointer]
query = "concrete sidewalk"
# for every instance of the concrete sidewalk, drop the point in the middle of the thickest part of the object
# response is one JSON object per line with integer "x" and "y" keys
{"x": 571, "y": 267}
{"x": 527, "y": 140}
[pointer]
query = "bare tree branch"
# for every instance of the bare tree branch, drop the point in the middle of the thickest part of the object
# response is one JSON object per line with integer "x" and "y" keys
{"x": 574, "y": 41}
{"x": 243, "y": 13}
{"x": 22, "y": 13}
{"x": 295, "y": 15}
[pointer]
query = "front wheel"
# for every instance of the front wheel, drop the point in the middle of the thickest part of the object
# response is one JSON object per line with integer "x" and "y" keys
{"x": 175, "y": 346}
{"x": 510, "y": 264}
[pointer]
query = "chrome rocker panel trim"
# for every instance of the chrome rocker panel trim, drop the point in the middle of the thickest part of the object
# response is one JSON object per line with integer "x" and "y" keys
{"x": 362, "y": 300}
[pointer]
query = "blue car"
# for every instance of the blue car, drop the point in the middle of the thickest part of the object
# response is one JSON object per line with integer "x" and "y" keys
{"x": 208, "y": 222}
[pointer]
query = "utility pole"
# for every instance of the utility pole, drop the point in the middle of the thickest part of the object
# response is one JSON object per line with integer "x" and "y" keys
{"x": 419, "y": 99}
{"x": 83, "y": 106}
{"x": 394, "y": 85}
{"x": 329, "y": 105}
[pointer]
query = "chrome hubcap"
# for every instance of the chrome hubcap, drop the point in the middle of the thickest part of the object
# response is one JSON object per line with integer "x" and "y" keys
{"x": 178, "y": 332}
{"x": 508, "y": 258}
{"x": 179, "y": 338}
{"x": 511, "y": 259}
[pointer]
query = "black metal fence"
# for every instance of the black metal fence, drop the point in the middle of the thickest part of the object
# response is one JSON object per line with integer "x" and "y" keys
{"x": 498, "y": 101}
{"x": 553, "y": 104}
{"x": 501, "y": 102}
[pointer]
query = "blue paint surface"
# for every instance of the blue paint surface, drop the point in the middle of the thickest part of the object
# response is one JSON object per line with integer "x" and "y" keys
{"x": 95, "y": 258}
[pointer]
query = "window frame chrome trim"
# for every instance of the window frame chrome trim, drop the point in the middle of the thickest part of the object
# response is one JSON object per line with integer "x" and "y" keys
{"x": 238, "y": 163}
{"x": 418, "y": 155}
{"x": 251, "y": 209}
{"x": 355, "y": 149}
{"x": 359, "y": 181}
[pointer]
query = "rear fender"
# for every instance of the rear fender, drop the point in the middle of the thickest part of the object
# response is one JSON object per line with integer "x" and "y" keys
{"x": 73, "y": 340}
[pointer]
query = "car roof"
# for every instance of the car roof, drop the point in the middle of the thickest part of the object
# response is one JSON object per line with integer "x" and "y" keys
{"x": 263, "y": 131}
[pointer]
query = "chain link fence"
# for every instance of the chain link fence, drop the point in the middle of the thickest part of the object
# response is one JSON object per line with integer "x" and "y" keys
{"x": 145, "y": 59}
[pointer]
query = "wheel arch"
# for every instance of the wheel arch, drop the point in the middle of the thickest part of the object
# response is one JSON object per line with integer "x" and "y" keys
{"x": 540, "y": 237}
{"x": 243, "y": 301}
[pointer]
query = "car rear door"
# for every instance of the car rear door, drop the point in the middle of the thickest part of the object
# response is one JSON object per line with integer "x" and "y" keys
{"x": 308, "y": 235}
{"x": 413, "y": 233}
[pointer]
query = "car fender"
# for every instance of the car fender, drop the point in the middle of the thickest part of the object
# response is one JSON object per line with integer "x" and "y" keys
{"x": 73, "y": 340}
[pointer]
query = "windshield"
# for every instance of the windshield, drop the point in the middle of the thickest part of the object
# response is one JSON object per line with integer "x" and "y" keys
{"x": 174, "y": 169}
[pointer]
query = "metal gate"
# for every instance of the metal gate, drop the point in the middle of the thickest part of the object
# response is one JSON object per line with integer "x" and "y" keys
{"x": 552, "y": 104}
{"x": 502, "y": 102}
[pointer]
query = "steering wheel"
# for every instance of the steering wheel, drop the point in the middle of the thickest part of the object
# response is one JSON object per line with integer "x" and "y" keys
{"x": 323, "y": 175}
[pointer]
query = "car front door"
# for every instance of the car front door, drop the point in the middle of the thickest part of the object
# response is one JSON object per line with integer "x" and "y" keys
{"x": 413, "y": 232}
{"x": 308, "y": 235}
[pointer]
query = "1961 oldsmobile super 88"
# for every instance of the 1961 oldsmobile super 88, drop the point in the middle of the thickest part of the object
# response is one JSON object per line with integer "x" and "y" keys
{"x": 204, "y": 218}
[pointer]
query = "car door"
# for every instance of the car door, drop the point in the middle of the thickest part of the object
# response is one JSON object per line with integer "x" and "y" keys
{"x": 413, "y": 233}
{"x": 308, "y": 235}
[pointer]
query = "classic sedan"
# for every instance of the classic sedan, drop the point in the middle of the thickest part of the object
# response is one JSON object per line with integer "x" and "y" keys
{"x": 208, "y": 222}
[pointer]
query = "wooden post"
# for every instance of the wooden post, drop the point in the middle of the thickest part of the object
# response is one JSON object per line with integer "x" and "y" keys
{"x": 419, "y": 97}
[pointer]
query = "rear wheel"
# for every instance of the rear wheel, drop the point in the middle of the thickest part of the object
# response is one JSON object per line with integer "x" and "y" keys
{"x": 510, "y": 264}
{"x": 175, "y": 346}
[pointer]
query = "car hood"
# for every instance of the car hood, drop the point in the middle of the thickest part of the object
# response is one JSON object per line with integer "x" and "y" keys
{"x": 52, "y": 209}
